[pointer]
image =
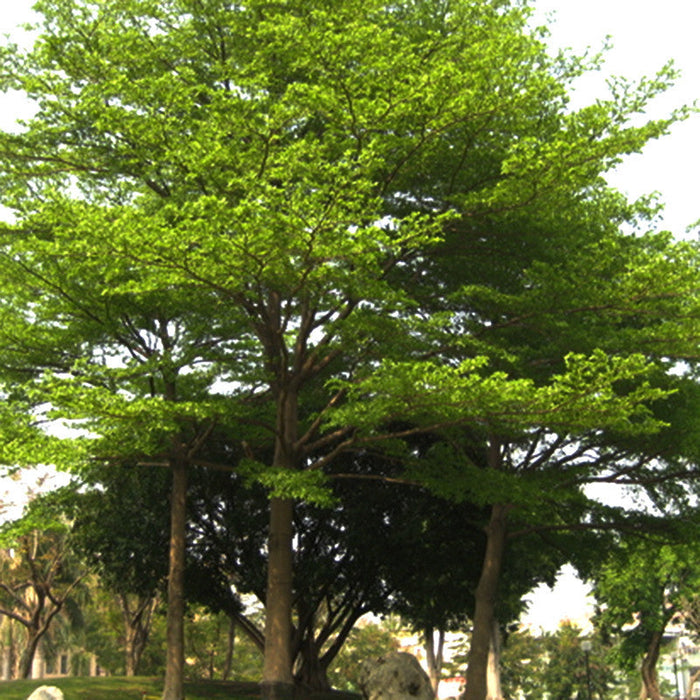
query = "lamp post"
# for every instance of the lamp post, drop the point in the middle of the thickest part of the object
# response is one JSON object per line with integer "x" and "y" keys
{"x": 675, "y": 673}
{"x": 586, "y": 646}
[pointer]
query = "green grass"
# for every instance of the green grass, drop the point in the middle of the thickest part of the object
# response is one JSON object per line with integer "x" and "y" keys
{"x": 120, "y": 688}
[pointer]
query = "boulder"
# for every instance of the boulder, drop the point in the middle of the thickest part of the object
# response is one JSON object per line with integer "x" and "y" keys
{"x": 395, "y": 676}
{"x": 46, "y": 692}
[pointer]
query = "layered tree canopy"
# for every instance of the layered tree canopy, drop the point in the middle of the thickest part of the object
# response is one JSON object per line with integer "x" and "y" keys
{"x": 324, "y": 229}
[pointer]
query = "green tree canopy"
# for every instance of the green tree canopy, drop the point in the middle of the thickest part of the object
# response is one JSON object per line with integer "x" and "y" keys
{"x": 386, "y": 195}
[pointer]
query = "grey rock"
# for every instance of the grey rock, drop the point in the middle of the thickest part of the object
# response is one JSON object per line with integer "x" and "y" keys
{"x": 46, "y": 692}
{"x": 395, "y": 676}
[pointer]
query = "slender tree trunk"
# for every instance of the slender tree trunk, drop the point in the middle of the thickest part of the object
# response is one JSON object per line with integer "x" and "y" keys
{"x": 27, "y": 658}
{"x": 493, "y": 680}
{"x": 8, "y": 648}
{"x": 650, "y": 680}
{"x": 277, "y": 681}
{"x": 230, "y": 646}
{"x": 434, "y": 655}
{"x": 251, "y": 630}
{"x": 486, "y": 592}
{"x": 137, "y": 628}
{"x": 175, "y": 641}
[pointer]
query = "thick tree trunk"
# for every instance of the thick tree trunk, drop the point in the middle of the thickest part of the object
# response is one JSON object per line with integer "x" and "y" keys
{"x": 434, "y": 655}
{"x": 175, "y": 641}
{"x": 650, "y": 680}
{"x": 493, "y": 679}
{"x": 477, "y": 670}
{"x": 312, "y": 674}
{"x": 277, "y": 681}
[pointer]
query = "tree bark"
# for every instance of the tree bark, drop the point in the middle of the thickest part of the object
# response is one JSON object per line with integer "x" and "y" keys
{"x": 486, "y": 591}
{"x": 311, "y": 674}
{"x": 27, "y": 658}
{"x": 277, "y": 681}
{"x": 137, "y": 628}
{"x": 434, "y": 655}
{"x": 650, "y": 680}
{"x": 8, "y": 648}
{"x": 493, "y": 680}
{"x": 175, "y": 642}
{"x": 230, "y": 646}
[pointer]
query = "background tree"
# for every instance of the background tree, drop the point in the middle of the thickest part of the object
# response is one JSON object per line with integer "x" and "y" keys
{"x": 637, "y": 609}
{"x": 39, "y": 575}
{"x": 120, "y": 526}
{"x": 112, "y": 365}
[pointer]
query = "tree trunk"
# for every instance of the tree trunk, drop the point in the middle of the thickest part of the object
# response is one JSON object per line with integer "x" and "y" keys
{"x": 493, "y": 680}
{"x": 312, "y": 673}
{"x": 433, "y": 655}
{"x": 277, "y": 681}
{"x": 8, "y": 648}
{"x": 650, "y": 681}
{"x": 230, "y": 646}
{"x": 175, "y": 643}
{"x": 486, "y": 591}
{"x": 137, "y": 628}
{"x": 251, "y": 630}
{"x": 27, "y": 658}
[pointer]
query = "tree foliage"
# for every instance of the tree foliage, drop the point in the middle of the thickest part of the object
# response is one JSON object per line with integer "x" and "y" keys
{"x": 317, "y": 223}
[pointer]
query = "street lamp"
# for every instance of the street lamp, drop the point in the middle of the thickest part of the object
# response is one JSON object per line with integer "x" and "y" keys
{"x": 586, "y": 646}
{"x": 674, "y": 656}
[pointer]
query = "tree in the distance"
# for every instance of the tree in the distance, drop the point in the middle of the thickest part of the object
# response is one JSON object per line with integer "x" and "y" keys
{"x": 38, "y": 575}
{"x": 120, "y": 527}
{"x": 640, "y": 589}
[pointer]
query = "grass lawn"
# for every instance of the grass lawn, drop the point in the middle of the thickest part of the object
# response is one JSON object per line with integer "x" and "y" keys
{"x": 120, "y": 688}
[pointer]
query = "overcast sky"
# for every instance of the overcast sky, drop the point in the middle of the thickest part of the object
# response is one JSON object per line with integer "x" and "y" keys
{"x": 645, "y": 35}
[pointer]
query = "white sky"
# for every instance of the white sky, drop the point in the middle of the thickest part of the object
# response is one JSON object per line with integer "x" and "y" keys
{"x": 645, "y": 34}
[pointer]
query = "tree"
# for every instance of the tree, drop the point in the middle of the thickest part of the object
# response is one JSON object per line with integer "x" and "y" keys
{"x": 112, "y": 368}
{"x": 638, "y": 608}
{"x": 119, "y": 526}
{"x": 38, "y": 575}
{"x": 289, "y": 170}
{"x": 366, "y": 551}
{"x": 207, "y": 636}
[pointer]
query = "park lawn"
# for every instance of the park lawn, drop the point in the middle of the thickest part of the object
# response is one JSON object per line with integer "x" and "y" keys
{"x": 121, "y": 688}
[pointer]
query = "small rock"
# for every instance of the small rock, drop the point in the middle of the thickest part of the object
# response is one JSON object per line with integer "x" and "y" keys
{"x": 46, "y": 692}
{"x": 396, "y": 676}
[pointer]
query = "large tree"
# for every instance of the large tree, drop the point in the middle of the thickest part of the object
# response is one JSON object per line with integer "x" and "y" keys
{"x": 293, "y": 177}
